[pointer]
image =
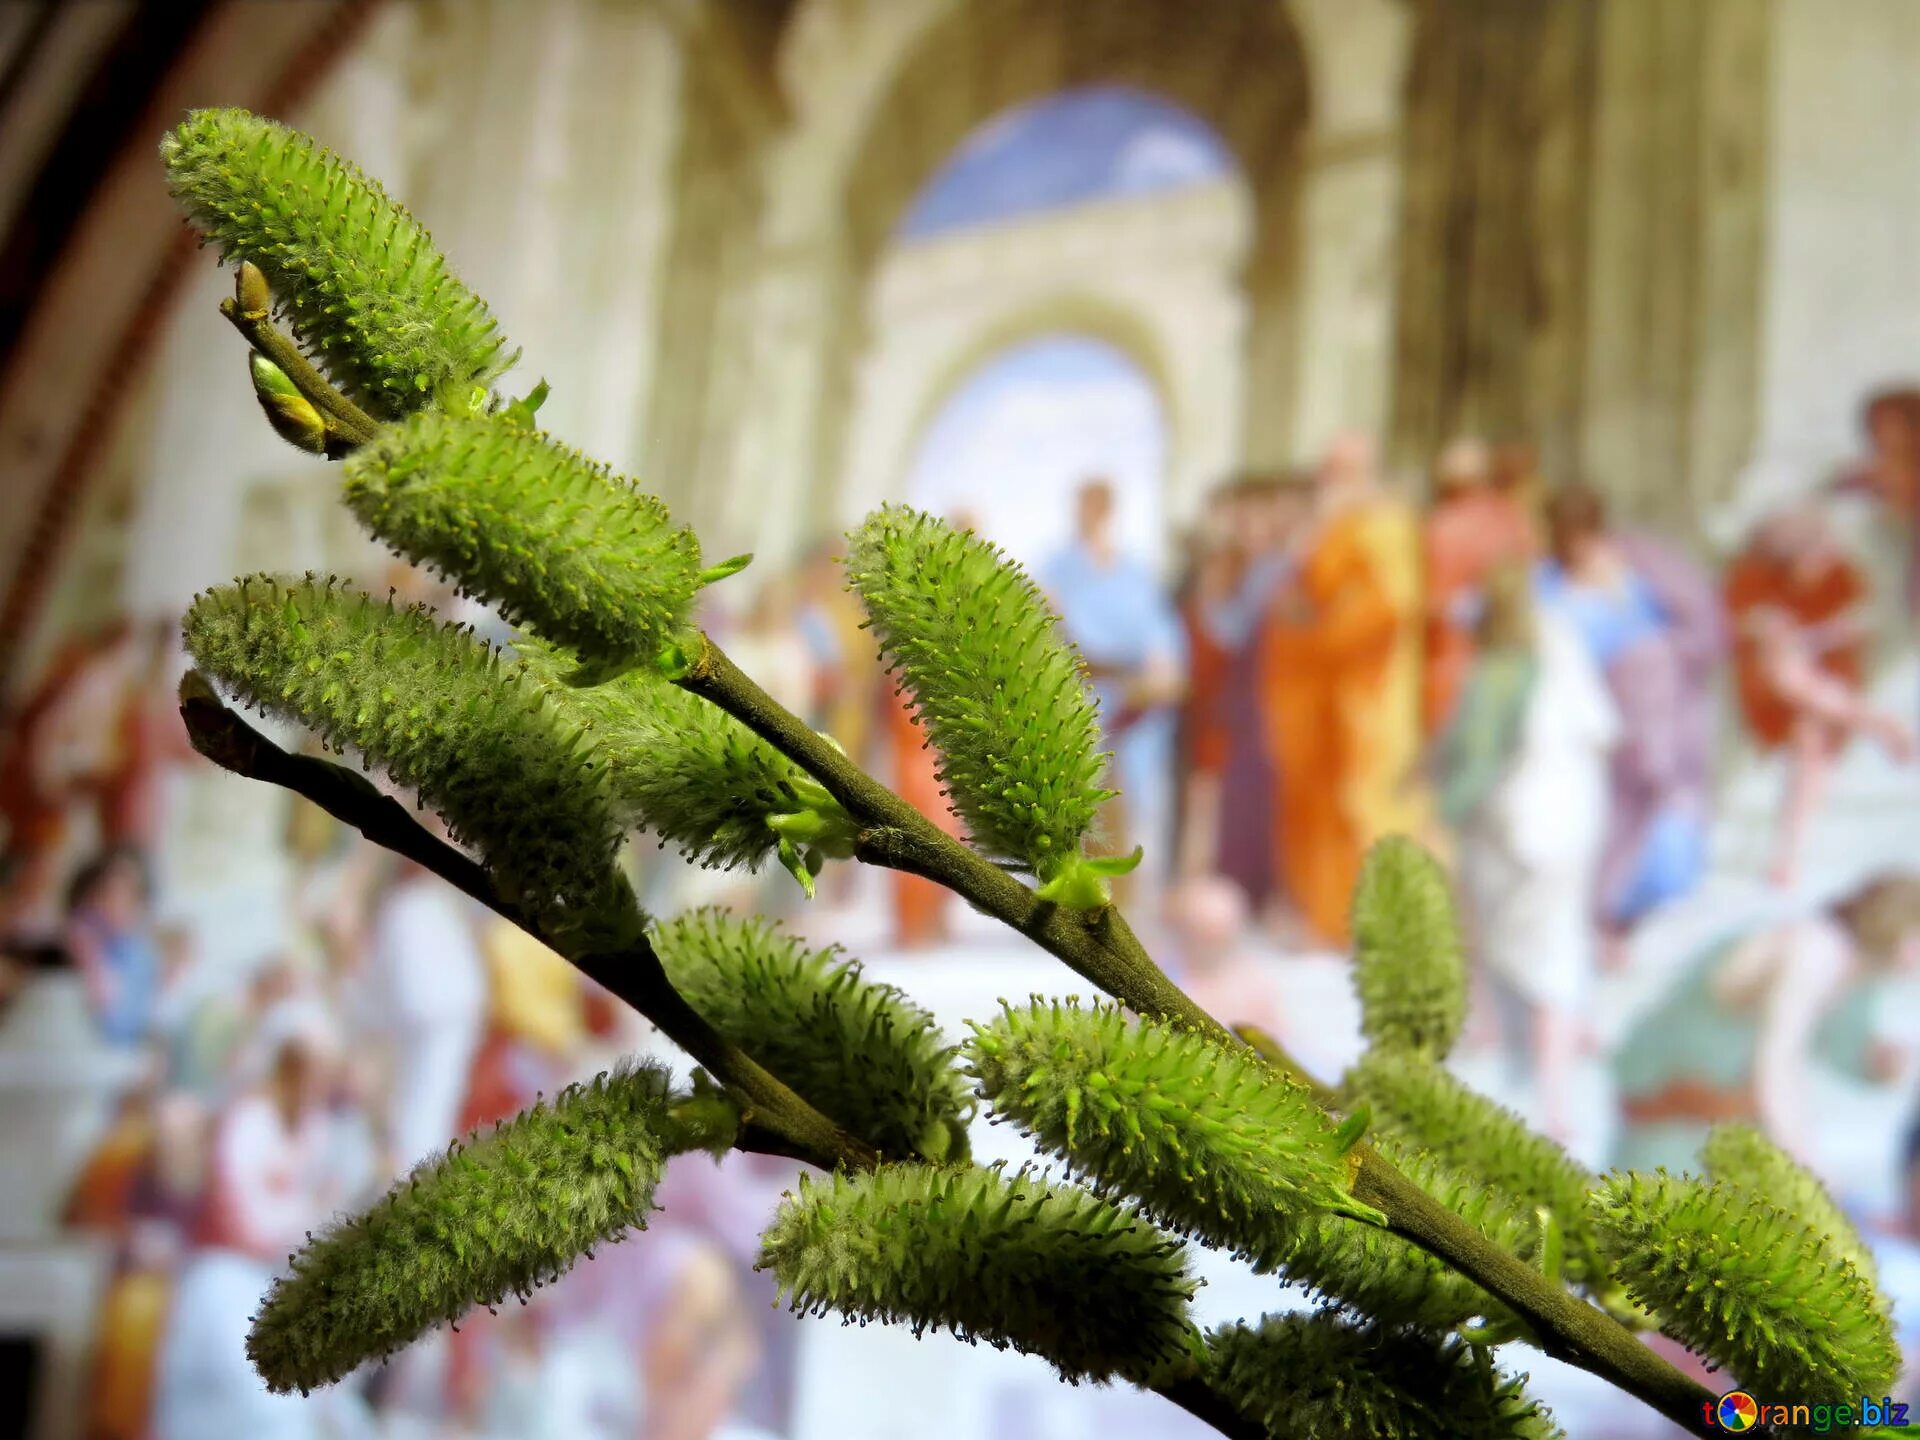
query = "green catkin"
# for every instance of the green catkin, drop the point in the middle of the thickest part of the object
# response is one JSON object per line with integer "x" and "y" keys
{"x": 1211, "y": 1142}
{"x": 1756, "y": 1290}
{"x": 1429, "y": 1108}
{"x": 1014, "y": 1260}
{"x": 1741, "y": 1155}
{"x": 357, "y": 276}
{"x": 556, "y": 541}
{"x": 1408, "y": 961}
{"x": 1375, "y": 1273}
{"x": 446, "y": 716}
{"x": 686, "y": 770}
{"x": 1322, "y": 1377}
{"x": 860, "y": 1051}
{"x": 495, "y": 1216}
{"x": 1001, "y": 693}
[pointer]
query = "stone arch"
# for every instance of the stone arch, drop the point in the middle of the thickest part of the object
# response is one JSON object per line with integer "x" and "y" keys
{"x": 1238, "y": 65}
{"x": 894, "y": 424}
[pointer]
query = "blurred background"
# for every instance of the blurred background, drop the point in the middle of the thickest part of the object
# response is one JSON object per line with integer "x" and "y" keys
{"x": 1492, "y": 420}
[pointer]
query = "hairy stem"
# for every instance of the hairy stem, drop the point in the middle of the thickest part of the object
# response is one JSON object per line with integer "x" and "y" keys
{"x": 348, "y": 426}
{"x": 1101, "y": 947}
{"x": 776, "y": 1120}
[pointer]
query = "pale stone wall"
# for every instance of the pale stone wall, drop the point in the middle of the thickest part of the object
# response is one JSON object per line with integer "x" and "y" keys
{"x": 1843, "y": 221}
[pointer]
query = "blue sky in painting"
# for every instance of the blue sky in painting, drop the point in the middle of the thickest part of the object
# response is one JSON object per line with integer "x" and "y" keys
{"x": 1065, "y": 150}
{"x": 1016, "y": 438}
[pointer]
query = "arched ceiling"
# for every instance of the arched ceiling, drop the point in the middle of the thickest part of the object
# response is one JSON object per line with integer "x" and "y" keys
{"x": 1236, "y": 64}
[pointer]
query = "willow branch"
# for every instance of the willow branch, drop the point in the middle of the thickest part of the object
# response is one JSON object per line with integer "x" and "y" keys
{"x": 1102, "y": 948}
{"x": 776, "y": 1120}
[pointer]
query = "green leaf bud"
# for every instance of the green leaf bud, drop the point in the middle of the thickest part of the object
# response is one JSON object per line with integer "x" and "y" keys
{"x": 1754, "y": 1289}
{"x": 1322, "y": 1377}
{"x": 862, "y": 1052}
{"x": 999, "y": 690}
{"x": 1013, "y": 1260}
{"x": 1741, "y": 1155}
{"x": 1428, "y": 1107}
{"x": 290, "y": 413}
{"x": 1408, "y": 962}
{"x": 683, "y": 768}
{"x": 557, "y": 541}
{"x": 446, "y": 716}
{"x": 356, "y": 275}
{"x": 495, "y": 1216}
{"x": 1212, "y": 1142}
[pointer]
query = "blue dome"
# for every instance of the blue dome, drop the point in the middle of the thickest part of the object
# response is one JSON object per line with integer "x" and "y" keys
{"x": 1065, "y": 150}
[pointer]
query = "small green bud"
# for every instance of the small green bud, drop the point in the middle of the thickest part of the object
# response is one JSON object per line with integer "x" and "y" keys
{"x": 862, "y": 1052}
{"x": 496, "y": 1215}
{"x": 1001, "y": 693}
{"x": 1741, "y": 1155}
{"x": 683, "y": 768}
{"x": 1015, "y": 1261}
{"x": 557, "y": 541}
{"x": 1408, "y": 962}
{"x": 447, "y": 717}
{"x": 293, "y": 418}
{"x": 1212, "y": 1142}
{"x": 357, "y": 276}
{"x": 1322, "y": 1377}
{"x": 250, "y": 290}
{"x": 1754, "y": 1289}
{"x": 1425, "y": 1105}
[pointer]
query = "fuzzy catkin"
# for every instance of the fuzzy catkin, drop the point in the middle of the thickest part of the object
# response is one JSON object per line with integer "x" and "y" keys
{"x": 497, "y": 1215}
{"x": 1754, "y": 1289}
{"x": 861, "y": 1052}
{"x": 447, "y": 716}
{"x": 357, "y": 276}
{"x": 1429, "y": 1108}
{"x": 1408, "y": 961}
{"x": 1015, "y": 1260}
{"x": 1741, "y": 1155}
{"x": 1211, "y": 1142}
{"x": 558, "y": 542}
{"x": 1001, "y": 693}
{"x": 1322, "y": 1377}
{"x": 682, "y": 768}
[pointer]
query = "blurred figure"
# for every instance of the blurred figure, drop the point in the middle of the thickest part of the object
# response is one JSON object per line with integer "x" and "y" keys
{"x": 427, "y": 984}
{"x": 1736, "y": 1035}
{"x": 1523, "y": 769}
{"x": 1270, "y": 515}
{"x": 1340, "y": 665}
{"x": 1514, "y": 476}
{"x": 1470, "y": 529}
{"x": 839, "y": 651}
{"x": 1112, "y": 608}
{"x": 1651, "y": 621}
{"x": 110, "y": 937}
{"x": 1890, "y": 472}
{"x": 1216, "y": 562}
{"x": 270, "y": 1186}
{"x": 1795, "y": 601}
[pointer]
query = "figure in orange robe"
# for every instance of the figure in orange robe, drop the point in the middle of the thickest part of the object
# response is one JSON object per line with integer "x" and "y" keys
{"x": 919, "y": 904}
{"x": 1341, "y": 667}
{"x": 1471, "y": 530}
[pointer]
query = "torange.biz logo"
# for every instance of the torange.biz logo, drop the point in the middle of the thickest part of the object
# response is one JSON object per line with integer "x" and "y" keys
{"x": 1737, "y": 1410}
